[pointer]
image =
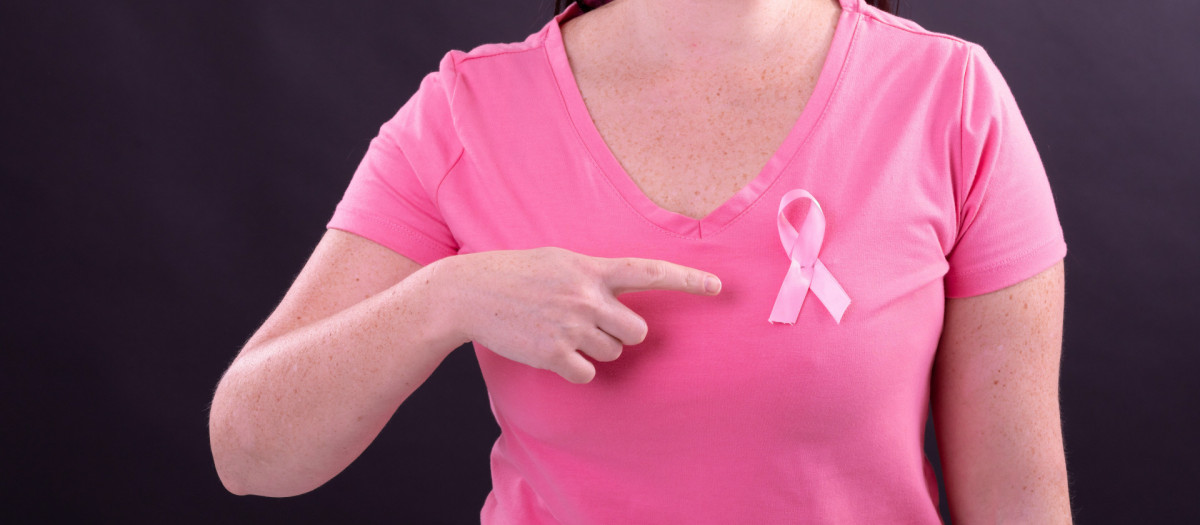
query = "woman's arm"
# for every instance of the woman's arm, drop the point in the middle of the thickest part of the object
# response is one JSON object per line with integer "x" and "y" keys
{"x": 354, "y": 336}
{"x": 995, "y": 404}
{"x": 362, "y": 327}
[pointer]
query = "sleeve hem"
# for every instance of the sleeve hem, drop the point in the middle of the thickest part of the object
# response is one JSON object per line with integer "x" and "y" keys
{"x": 383, "y": 231}
{"x": 1012, "y": 271}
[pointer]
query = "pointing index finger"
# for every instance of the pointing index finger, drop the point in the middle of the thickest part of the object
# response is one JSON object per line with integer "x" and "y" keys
{"x": 633, "y": 274}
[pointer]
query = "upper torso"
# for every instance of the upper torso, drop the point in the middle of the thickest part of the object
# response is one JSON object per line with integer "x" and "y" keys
{"x": 720, "y": 416}
{"x": 718, "y": 409}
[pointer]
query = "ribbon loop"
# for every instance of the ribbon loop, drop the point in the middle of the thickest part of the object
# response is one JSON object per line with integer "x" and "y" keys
{"x": 806, "y": 271}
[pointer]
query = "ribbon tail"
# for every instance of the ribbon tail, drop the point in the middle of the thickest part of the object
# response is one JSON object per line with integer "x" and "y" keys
{"x": 829, "y": 291}
{"x": 791, "y": 296}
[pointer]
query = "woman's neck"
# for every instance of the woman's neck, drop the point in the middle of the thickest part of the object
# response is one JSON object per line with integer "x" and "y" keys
{"x": 704, "y": 36}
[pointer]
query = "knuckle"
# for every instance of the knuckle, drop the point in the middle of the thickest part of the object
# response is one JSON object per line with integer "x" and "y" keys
{"x": 656, "y": 271}
{"x": 555, "y": 255}
{"x": 573, "y": 333}
{"x": 554, "y": 363}
{"x": 549, "y": 356}
{"x": 562, "y": 355}
{"x": 553, "y": 250}
{"x": 585, "y": 298}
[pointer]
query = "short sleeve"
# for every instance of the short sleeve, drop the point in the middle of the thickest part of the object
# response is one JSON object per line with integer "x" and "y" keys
{"x": 392, "y": 196}
{"x": 1008, "y": 226}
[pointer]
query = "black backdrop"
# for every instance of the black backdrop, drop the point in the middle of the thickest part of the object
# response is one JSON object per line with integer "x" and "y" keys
{"x": 169, "y": 166}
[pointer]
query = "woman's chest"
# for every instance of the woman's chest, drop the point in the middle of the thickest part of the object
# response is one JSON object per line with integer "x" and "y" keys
{"x": 692, "y": 145}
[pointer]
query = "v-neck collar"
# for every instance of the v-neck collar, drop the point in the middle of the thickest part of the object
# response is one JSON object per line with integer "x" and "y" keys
{"x": 717, "y": 220}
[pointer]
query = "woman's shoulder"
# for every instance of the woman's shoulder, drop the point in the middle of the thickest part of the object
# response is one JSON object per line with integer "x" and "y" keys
{"x": 534, "y": 42}
{"x": 890, "y": 27}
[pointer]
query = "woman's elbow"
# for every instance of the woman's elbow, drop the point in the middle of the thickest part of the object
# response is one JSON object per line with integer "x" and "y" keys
{"x": 243, "y": 473}
{"x": 230, "y": 454}
{"x": 243, "y": 464}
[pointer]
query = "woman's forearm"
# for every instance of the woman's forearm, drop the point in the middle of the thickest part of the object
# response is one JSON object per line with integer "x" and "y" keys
{"x": 293, "y": 411}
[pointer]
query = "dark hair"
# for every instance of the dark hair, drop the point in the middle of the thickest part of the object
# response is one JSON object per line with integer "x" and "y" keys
{"x": 890, "y": 6}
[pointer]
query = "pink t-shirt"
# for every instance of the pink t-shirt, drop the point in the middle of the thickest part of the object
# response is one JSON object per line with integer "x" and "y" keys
{"x": 930, "y": 186}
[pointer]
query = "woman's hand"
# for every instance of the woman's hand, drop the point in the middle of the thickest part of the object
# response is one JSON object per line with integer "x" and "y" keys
{"x": 539, "y": 306}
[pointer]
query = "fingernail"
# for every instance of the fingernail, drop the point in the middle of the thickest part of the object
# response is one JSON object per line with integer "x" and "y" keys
{"x": 712, "y": 284}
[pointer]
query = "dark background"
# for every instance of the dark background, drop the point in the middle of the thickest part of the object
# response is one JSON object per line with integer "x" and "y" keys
{"x": 169, "y": 166}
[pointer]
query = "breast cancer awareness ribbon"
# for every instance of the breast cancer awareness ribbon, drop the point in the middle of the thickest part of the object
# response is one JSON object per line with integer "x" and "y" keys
{"x": 806, "y": 271}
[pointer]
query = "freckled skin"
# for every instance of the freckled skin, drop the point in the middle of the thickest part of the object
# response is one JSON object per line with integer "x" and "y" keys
{"x": 342, "y": 350}
{"x": 995, "y": 403}
{"x": 363, "y": 326}
{"x": 692, "y": 141}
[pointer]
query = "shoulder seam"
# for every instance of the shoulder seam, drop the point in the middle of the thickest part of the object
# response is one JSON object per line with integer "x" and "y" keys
{"x": 924, "y": 32}
{"x": 458, "y": 57}
{"x": 505, "y": 49}
{"x": 467, "y": 57}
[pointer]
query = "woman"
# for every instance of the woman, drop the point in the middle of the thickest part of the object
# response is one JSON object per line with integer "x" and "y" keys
{"x": 864, "y": 193}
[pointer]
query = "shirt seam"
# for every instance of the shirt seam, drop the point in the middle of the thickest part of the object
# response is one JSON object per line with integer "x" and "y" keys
{"x": 960, "y": 199}
{"x": 923, "y": 32}
{"x": 829, "y": 101}
{"x": 437, "y": 191}
{"x": 570, "y": 117}
{"x": 493, "y": 49}
{"x": 396, "y": 226}
{"x": 543, "y": 43}
{"x": 467, "y": 57}
{"x": 462, "y": 149}
{"x": 1007, "y": 261}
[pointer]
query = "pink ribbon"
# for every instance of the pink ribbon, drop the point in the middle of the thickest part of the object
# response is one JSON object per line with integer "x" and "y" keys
{"x": 806, "y": 271}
